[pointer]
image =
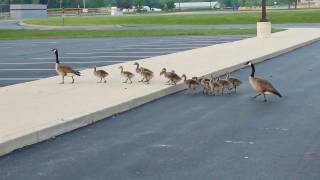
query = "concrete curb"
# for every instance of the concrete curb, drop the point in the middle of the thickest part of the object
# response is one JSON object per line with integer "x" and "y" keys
{"x": 72, "y": 123}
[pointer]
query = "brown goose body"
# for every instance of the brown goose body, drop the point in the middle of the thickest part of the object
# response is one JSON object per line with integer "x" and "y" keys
{"x": 172, "y": 77}
{"x": 146, "y": 74}
{"x": 126, "y": 74}
{"x": 262, "y": 86}
{"x": 190, "y": 83}
{"x": 215, "y": 87}
{"x": 205, "y": 84}
{"x": 64, "y": 70}
{"x": 224, "y": 84}
{"x": 101, "y": 74}
{"x": 234, "y": 81}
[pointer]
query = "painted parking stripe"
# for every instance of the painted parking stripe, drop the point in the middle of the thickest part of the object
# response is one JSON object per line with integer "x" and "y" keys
{"x": 178, "y": 48}
{"x": 139, "y": 52}
{"x": 92, "y": 57}
{"x": 27, "y": 63}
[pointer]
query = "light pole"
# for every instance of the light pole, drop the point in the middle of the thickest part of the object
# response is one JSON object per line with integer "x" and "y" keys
{"x": 264, "y": 12}
{"x": 84, "y": 4}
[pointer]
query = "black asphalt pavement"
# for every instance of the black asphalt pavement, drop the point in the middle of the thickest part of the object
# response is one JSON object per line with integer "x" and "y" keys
{"x": 26, "y": 60}
{"x": 196, "y": 137}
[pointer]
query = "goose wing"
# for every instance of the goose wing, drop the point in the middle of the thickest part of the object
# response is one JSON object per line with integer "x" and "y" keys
{"x": 266, "y": 86}
{"x": 68, "y": 69}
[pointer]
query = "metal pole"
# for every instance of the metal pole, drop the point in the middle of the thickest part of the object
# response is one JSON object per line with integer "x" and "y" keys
{"x": 84, "y": 4}
{"x": 264, "y": 12}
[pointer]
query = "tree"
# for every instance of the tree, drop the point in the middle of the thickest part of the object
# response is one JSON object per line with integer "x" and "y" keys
{"x": 170, "y": 5}
{"x": 138, "y": 4}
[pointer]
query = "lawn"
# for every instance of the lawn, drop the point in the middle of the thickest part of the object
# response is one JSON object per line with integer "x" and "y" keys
{"x": 45, "y": 34}
{"x": 312, "y": 16}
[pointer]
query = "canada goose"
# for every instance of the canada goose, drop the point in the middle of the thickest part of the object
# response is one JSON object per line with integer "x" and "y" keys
{"x": 224, "y": 84}
{"x": 146, "y": 74}
{"x": 215, "y": 86}
{"x": 101, "y": 74}
{"x": 127, "y": 75}
{"x": 234, "y": 81}
{"x": 191, "y": 83}
{"x": 205, "y": 84}
{"x": 261, "y": 86}
{"x": 64, "y": 70}
{"x": 172, "y": 77}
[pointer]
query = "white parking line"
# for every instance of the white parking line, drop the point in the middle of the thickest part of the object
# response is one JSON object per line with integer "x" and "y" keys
{"x": 136, "y": 52}
{"x": 173, "y": 44}
{"x": 28, "y": 42}
{"x": 5, "y": 47}
{"x": 29, "y": 63}
{"x": 177, "y": 48}
{"x": 92, "y": 57}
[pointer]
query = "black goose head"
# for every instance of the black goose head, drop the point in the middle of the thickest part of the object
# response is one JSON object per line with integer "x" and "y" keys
{"x": 56, "y": 52}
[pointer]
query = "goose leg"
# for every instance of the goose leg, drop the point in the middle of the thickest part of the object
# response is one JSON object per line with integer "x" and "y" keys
{"x": 105, "y": 81}
{"x": 256, "y": 96}
{"x": 62, "y": 80}
{"x": 265, "y": 99}
{"x": 126, "y": 80}
{"x": 72, "y": 80}
{"x": 235, "y": 89}
{"x": 130, "y": 80}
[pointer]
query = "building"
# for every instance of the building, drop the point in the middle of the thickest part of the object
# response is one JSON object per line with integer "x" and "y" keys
{"x": 23, "y": 11}
{"x": 193, "y": 5}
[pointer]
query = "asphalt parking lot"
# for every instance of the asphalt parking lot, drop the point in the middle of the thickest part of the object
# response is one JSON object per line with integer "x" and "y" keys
{"x": 27, "y": 60}
{"x": 194, "y": 136}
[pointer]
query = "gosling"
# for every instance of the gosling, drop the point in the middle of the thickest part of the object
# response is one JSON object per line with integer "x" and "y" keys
{"x": 146, "y": 74}
{"x": 172, "y": 77}
{"x": 101, "y": 74}
{"x": 127, "y": 75}
{"x": 235, "y": 82}
{"x": 191, "y": 84}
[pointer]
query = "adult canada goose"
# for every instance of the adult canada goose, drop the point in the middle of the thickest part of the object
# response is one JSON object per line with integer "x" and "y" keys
{"x": 172, "y": 77}
{"x": 64, "y": 70}
{"x": 234, "y": 81}
{"x": 127, "y": 75}
{"x": 101, "y": 74}
{"x": 144, "y": 72}
{"x": 190, "y": 83}
{"x": 261, "y": 86}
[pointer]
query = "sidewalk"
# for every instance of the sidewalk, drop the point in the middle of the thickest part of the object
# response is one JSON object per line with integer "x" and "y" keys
{"x": 34, "y": 111}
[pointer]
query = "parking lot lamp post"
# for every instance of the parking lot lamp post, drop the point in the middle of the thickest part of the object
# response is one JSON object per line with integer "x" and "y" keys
{"x": 264, "y": 11}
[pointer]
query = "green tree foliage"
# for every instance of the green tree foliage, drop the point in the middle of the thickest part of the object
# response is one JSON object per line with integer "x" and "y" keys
{"x": 138, "y": 4}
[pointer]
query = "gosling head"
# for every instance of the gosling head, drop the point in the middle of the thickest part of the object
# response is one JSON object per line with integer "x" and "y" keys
{"x": 163, "y": 70}
{"x": 120, "y": 67}
{"x": 136, "y": 64}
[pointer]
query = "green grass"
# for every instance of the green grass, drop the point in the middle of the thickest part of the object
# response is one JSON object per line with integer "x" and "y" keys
{"x": 53, "y": 34}
{"x": 312, "y": 16}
